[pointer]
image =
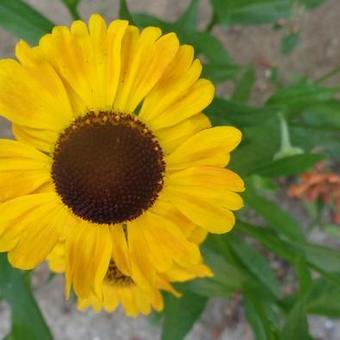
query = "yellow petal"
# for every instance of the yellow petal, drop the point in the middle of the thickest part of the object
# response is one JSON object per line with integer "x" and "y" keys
{"x": 218, "y": 196}
{"x": 179, "y": 76}
{"x": 209, "y": 147}
{"x": 208, "y": 177}
{"x": 169, "y": 212}
{"x": 120, "y": 252}
{"x": 165, "y": 236}
{"x": 145, "y": 60}
{"x": 87, "y": 59}
{"x": 127, "y": 299}
{"x": 34, "y": 57}
{"x": 110, "y": 300}
{"x": 43, "y": 140}
{"x": 166, "y": 285}
{"x": 181, "y": 274}
{"x": 88, "y": 253}
{"x": 33, "y": 96}
{"x": 23, "y": 169}
{"x": 198, "y": 235}
{"x": 210, "y": 216}
{"x": 38, "y": 239}
{"x": 142, "y": 269}
{"x": 172, "y": 137}
{"x": 181, "y": 63}
{"x": 23, "y": 223}
{"x": 157, "y": 302}
{"x": 16, "y": 156}
{"x": 190, "y": 103}
{"x": 142, "y": 302}
{"x": 160, "y": 257}
{"x": 17, "y": 183}
{"x": 56, "y": 259}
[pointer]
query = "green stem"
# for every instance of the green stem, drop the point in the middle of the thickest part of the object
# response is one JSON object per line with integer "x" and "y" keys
{"x": 212, "y": 23}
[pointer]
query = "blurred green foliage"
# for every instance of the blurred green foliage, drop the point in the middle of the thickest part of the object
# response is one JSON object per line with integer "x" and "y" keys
{"x": 240, "y": 258}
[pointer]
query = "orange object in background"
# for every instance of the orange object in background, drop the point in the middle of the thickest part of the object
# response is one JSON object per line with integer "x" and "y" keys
{"x": 319, "y": 183}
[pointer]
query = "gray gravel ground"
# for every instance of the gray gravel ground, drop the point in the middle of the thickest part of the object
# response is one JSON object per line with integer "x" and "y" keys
{"x": 318, "y": 52}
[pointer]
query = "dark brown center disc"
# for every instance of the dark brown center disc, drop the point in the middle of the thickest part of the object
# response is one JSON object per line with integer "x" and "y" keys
{"x": 108, "y": 167}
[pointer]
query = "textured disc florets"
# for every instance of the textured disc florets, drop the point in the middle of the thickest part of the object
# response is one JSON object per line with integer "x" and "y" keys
{"x": 115, "y": 277}
{"x": 108, "y": 167}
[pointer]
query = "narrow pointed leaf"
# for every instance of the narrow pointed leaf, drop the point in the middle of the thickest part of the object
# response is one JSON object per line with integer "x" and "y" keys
{"x": 27, "y": 320}
{"x": 180, "y": 314}
{"x": 22, "y": 20}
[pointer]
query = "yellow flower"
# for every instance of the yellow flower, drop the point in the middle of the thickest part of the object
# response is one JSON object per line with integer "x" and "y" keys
{"x": 119, "y": 289}
{"x": 113, "y": 155}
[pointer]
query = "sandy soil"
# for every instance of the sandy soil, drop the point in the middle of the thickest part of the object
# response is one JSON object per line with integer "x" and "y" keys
{"x": 317, "y": 53}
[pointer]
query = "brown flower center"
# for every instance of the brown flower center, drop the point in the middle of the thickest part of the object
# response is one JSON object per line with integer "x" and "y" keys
{"x": 115, "y": 277}
{"x": 108, "y": 167}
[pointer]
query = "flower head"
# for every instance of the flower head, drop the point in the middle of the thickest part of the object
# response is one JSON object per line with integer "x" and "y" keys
{"x": 113, "y": 155}
{"x": 118, "y": 289}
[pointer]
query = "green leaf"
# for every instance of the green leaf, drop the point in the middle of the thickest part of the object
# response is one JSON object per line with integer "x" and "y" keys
{"x": 23, "y": 21}
{"x": 289, "y": 42}
{"x": 288, "y": 166}
{"x": 256, "y": 264}
{"x": 259, "y": 144}
{"x": 296, "y": 326}
{"x": 72, "y": 6}
{"x": 244, "y": 85}
{"x": 188, "y": 20}
{"x": 250, "y": 12}
{"x": 210, "y": 47}
{"x": 71, "y": 3}
{"x": 212, "y": 287}
{"x": 255, "y": 320}
{"x": 277, "y": 218}
{"x": 124, "y": 12}
{"x": 226, "y": 271}
{"x": 27, "y": 320}
{"x": 303, "y": 274}
{"x": 325, "y": 258}
{"x": 322, "y": 259}
{"x": 256, "y": 312}
{"x": 325, "y": 115}
{"x": 296, "y": 98}
{"x": 237, "y": 276}
{"x": 323, "y": 298}
{"x": 228, "y": 276}
{"x": 180, "y": 314}
{"x": 223, "y": 111}
{"x": 144, "y": 20}
{"x": 270, "y": 240}
{"x": 318, "y": 125}
{"x": 218, "y": 73}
